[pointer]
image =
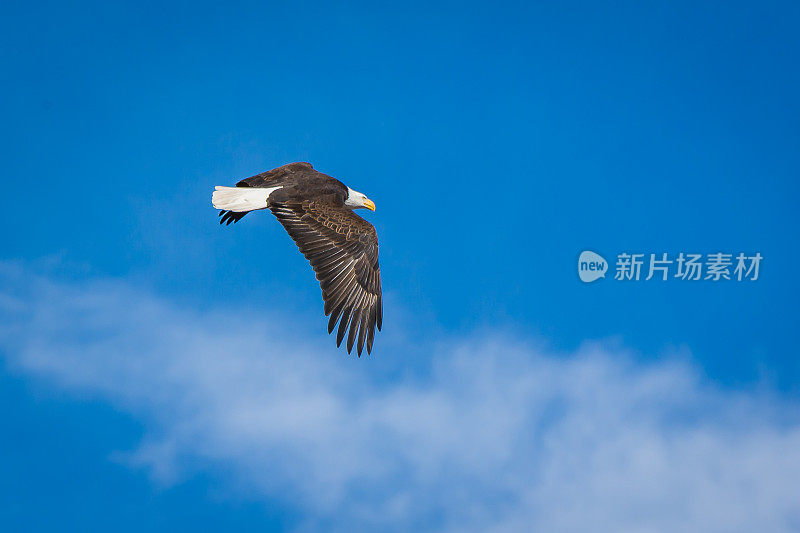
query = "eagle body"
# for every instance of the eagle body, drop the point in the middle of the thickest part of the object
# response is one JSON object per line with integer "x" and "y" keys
{"x": 317, "y": 212}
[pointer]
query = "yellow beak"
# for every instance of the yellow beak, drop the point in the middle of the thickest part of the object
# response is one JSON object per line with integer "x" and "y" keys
{"x": 369, "y": 204}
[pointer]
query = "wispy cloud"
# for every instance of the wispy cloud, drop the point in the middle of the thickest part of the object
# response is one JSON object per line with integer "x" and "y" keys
{"x": 495, "y": 434}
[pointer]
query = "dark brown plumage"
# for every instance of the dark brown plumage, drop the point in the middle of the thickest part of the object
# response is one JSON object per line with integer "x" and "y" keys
{"x": 317, "y": 212}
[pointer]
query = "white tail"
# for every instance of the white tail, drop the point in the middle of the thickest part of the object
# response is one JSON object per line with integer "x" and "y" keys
{"x": 241, "y": 199}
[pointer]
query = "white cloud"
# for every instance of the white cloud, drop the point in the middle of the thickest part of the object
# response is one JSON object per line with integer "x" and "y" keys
{"x": 496, "y": 434}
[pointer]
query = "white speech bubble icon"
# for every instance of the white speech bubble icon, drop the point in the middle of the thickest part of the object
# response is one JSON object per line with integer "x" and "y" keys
{"x": 591, "y": 266}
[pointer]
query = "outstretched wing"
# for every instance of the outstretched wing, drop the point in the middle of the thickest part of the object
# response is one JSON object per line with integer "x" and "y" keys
{"x": 342, "y": 248}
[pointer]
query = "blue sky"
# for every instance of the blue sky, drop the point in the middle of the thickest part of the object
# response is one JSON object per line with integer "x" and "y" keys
{"x": 498, "y": 142}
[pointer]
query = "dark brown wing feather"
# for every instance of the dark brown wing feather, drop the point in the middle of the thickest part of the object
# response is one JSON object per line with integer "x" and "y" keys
{"x": 342, "y": 248}
{"x": 226, "y": 217}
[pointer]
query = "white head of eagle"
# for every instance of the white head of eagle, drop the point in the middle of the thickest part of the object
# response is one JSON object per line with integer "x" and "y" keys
{"x": 317, "y": 212}
{"x": 356, "y": 200}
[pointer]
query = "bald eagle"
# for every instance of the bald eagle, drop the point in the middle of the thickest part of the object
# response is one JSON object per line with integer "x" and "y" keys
{"x": 317, "y": 212}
